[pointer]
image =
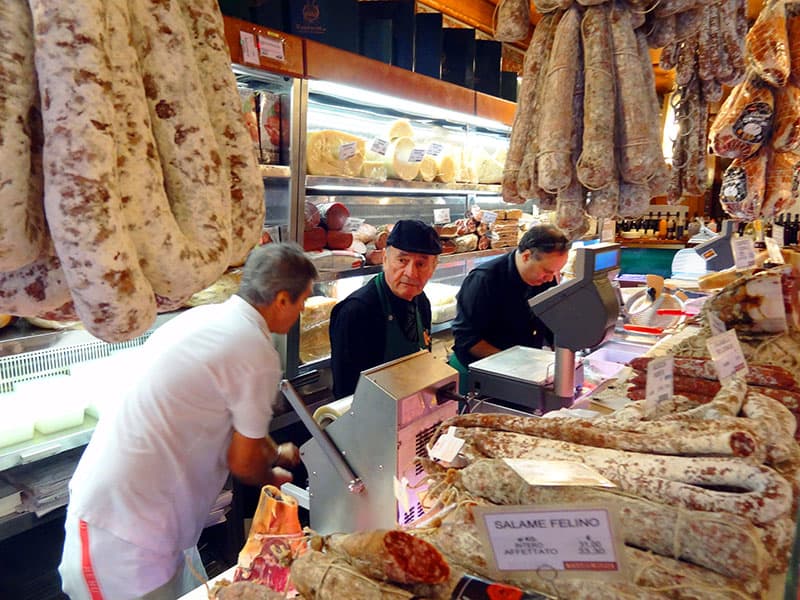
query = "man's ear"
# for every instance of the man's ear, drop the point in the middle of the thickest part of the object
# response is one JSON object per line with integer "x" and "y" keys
{"x": 283, "y": 299}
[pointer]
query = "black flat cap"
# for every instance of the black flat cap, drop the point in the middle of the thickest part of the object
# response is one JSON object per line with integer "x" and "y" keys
{"x": 414, "y": 236}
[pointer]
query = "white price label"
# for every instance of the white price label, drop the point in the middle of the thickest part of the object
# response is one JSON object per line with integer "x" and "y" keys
{"x": 488, "y": 217}
{"x": 726, "y": 352}
{"x": 659, "y": 386}
{"x": 379, "y": 146}
{"x": 533, "y": 538}
{"x": 416, "y": 155}
{"x": 249, "y": 48}
{"x": 744, "y": 252}
{"x": 434, "y": 149}
{"x": 347, "y": 150}
{"x": 271, "y": 47}
{"x": 441, "y": 216}
{"x": 401, "y": 493}
{"x": 715, "y": 324}
{"x": 774, "y": 251}
{"x": 778, "y": 234}
{"x": 609, "y": 231}
{"x": 447, "y": 446}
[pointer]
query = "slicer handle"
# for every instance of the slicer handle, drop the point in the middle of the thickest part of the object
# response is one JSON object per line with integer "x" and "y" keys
{"x": 354, "y": 483}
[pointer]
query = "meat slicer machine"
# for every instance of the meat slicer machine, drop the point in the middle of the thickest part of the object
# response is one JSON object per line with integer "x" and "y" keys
{"x": 361, "y": 468}
{"x": 581, "y": 313}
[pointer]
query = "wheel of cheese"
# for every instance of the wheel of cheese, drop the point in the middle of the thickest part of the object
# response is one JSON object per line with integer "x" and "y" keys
{"x": 427, "y": 168}
{"x": 328, "y": 152}
{"x": 397, "y": 165}
{"x": 400, "y": 128}
{"x": 446, "y": 169}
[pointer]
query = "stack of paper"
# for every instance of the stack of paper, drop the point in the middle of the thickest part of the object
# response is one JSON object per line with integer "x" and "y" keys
{"x": 44, "y": 484}
{"x": 10, "y": 498}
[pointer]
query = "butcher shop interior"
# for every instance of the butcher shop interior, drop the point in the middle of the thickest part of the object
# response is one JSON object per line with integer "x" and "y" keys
{"x": 624, "y": 424}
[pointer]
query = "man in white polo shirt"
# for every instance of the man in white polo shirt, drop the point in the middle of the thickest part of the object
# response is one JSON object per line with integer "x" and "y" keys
{"x": 200, "y": 408}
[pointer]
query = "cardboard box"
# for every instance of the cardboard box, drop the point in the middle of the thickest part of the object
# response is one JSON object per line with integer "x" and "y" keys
{"x": 458, "y": 56}
{"x": 401, "y": 13}
{"x": 428, "y": 44}
{"x": 332, "y": 22}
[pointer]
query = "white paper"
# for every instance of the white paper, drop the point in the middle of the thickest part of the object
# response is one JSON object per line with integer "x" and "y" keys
{"x": 609, "y": 231}
{"x": 744, "y": 252}
{"x": 441, "y": 216}
{"x": 271, "y": 47}
{"x": 416, "y": 155}
{"x": 249, "y": 48}
{"x": 379, "y": 146}
{"x": 434, "y": 149}
{"x": 777, "y": 234}
{"x": 446, "y": 447}
{"x": 347, "y": 150}
{"x": 774, "y": 251}
{"x": 489, "y": 217}
{"x": 726, "y": 352}
{"x": 659, "y": 386}
{"x": 557, "y": 473}
{"x": 401, "y": 493}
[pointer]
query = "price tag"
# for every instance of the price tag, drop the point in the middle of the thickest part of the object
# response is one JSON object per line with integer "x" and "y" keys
{"x": 441, "y": 216}
{"x": 249, "y": 48}
{"x": 777, "y": 234}
{"x": 347, "y": 150}
{"x": 726, "y": 352}
{"x": 416, "y": 155}
{"x": 401, "y": 493}
{"x": 609, "y": 231}
{"x": 447, "y": 446}
{"x": 489, "y": 217}
{"x": 744, "y": 252}
{"x": 774, "y": 251}
{"x": 271, "y": 47}
{"x": 379, "y": 146}
{"x": 528, "y": 538}
{"x": 434, "y": 149}
{"x": 715, "y": 324}
{"x": 659, "y": 386}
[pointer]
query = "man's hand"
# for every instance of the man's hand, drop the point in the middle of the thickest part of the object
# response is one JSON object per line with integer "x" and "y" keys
{"x": 288, "y": 456}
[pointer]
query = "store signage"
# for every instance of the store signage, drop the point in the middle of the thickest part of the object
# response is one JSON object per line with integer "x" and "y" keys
{"x": 416, "y": 155}
{"x": 434, "y": 149}
{"x": 347, "y": 150}
{"x": 441, "y": 216}
{"x": 774, "y": 251}
{"x": 379, "y": 146}
{"x": 447, "y": 446}
{"x": 271, "y": 46}
{"x": 609, "y": 231}
{"x": 660, "y": 381}
{"x": 744, "y": 253}
{"x": 573, "y": 540}
{"x": 726, "y": 352}
{"x": 249, "y": 48}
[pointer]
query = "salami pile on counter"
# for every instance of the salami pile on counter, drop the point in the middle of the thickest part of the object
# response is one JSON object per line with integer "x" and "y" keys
{"x": 128, "y": 178}
{"x": 758, "y": 126}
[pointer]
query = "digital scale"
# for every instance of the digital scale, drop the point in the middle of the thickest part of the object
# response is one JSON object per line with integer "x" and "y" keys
{"x": 581, "y": 313}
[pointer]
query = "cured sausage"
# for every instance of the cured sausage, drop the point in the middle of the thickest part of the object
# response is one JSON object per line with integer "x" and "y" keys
{"x": 82, "y": 202}
{"x": 661, "y": 31}
{"x": 596, "y": 166}
{"x": 786, "y": 128}
{"x": 764, "y": 375}
{"x": 36, "y": 288}
{"x": 767, "y": 45}
{"x": 22, "y": 230}
{"x": 793, "y": 35}
{"x": 603, "y": 203}
{"x": 744, "y": 121}
{"x": 240, "y": 165}
{"x": 731, "y": 42}
{"x": 556, "y": 137}
{"x": 570, "y": 214}
{"x": 513, "y": 20}
{"x": 781, "y": 178}
{"x": 525, "y": 119}
{"x": 634, "y": 199}
{"x": 742, "y": 189}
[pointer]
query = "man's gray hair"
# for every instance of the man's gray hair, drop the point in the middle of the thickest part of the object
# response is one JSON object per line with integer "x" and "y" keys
{"x": 274, "y": 268}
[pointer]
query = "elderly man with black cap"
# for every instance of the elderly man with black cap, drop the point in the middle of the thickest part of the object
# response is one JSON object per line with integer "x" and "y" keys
{"x": 390, "y": 316}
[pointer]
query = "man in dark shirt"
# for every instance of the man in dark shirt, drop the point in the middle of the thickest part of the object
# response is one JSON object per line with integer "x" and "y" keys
{"x": 493, "y": 311}
{"x": 390, "y": 316}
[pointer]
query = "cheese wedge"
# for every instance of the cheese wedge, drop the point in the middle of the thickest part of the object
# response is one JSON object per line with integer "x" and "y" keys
{"x": 334, "y": 153}
{"x": 397, "y": 165}
{"x": 427, "y": 168}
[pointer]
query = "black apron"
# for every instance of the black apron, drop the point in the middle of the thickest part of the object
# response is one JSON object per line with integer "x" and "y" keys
{"x": 397, "y": 344}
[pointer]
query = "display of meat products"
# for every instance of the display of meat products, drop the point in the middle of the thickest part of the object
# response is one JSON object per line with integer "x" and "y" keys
{"x": 743, "y": 183}
{"x": 338, "y": 240}
{"x": 314, "y": 239}
{"x": 36, "y": 288}
{"x": 698, "y": 537}
{"x": 176, "y": 264}
{"x": 660, "y": 30}
{"x": 766, "y": 375}
{"x": 752, "y": 303}
{"x": 513, "y": 20}
{"x": 659, "y": 179}
{"x": 744, "y": 121}
{"x": 676, "y": 480}
{"x": 333, "y": 215}
{"x": 391, "y": 555}
{"x": 793, "y": 35}
{"x": 724, "y": 438}
{"x": 556, "y": 136}
{"x": 603, "y": 203}
{"x": 640, "y": 393}
{"x": 786, "y": 128}
{"x": 22, "y": 231}
{"x": 311, "y": 216}
{"x": 570, "y": 213}
{"x": 597, "y": 166}
{"x": 731, "y": 41}
{"x": 82, "y": 201}
{"x": 768, "y": 44}
{"x": 526, "y": 118}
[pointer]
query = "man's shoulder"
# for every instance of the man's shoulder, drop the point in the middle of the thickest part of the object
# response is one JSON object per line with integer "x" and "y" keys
{"x": 364, "y": 299}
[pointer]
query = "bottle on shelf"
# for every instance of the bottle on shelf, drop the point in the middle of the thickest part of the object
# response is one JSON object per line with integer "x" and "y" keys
{"x": 712, "y": 224}
{"x": 662, "y": 226}
{"x": 670, "y": 226}
{"x": 680, "y": 226}
{"x": 795, "y": 229}
{"x": 649, "y": 231}
{"x": 759, "y": 243}
{"x": 693, "y": 227}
